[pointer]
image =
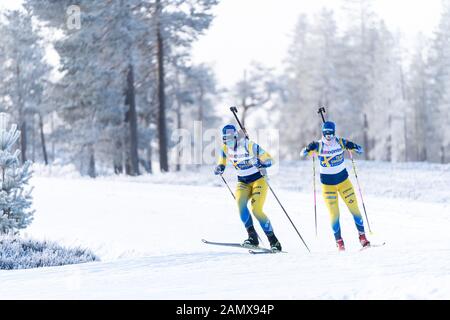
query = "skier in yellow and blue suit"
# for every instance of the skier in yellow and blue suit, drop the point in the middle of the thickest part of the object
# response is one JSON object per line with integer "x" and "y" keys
{"x": 249, "y": 160}
{"x": 334, "y": 178}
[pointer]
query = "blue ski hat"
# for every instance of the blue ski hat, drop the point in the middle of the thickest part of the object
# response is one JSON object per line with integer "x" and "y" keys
{"x": 228, "y": 129}
{"x": 328, "y": 127}
{"x": 229, "y": 133}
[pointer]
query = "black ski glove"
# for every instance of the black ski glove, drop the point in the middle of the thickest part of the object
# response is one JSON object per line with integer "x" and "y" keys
{"x": 220, "y": 169}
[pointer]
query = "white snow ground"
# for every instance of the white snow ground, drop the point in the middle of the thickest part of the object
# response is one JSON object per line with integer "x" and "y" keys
{"x": 148, "y": 230}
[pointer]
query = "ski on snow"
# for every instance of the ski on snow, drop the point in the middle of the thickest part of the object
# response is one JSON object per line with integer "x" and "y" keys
{"x": 264, "y": 251}
{"x": 373, "y": 246}
{"x": 252, "y": 249}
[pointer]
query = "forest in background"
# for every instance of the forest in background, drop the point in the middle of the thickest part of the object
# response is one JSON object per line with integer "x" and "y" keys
{"x": 125, "y": 82}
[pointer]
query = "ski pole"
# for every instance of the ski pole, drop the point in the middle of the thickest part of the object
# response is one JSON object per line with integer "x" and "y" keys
{"x": 232, "y": 194}
{"x": 321, "y": 111}
{"x": 225, "y": 181}
{"x": 314, "y": 186}
{"x": 234, "y": 111}
{"x": 359, "y": 187}
{"x": 235, "y": 197}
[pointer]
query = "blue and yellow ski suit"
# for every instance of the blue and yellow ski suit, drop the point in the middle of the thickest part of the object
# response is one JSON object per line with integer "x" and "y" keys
{"x": 251, "y": 183}
{"x": 334, "y": 179}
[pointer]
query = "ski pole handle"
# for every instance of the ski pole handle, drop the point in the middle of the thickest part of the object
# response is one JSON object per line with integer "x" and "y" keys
{"x": 321, "y": 111}
{"x": 235, "y": 111}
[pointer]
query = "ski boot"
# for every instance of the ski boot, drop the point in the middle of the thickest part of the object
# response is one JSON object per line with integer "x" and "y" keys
{"x": 340, "y": 244}
{"x": 252, "y": 241}
{"x": 363, "y": 240}
{"x": 275, "y": 245}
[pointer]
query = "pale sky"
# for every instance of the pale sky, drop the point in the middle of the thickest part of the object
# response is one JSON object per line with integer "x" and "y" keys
{"x": 246, "y": 30}
{"x": 10, "y": 4}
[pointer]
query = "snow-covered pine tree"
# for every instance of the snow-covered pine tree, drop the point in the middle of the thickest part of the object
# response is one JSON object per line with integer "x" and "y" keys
{"x": 418, "y": 87}
{"x": 438, "y": 95}
{"x": 385, "y": 105}
{"x": 255, "y": 89}
{"x": 356, "y": 68}
{"x": 192, "y": 93}
{"x": 107, "y": 97}
{"x": 312, "y": 67}
{"x": 24, "y": 73}
{"x": 294, "y": 127}
{"x": 15, "y": 198}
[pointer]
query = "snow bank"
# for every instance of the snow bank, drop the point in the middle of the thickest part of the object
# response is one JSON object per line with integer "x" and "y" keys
{"x": 17, "y": 253}
{"x": 410, "y": 181}
{"x": 56, "y": 170}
